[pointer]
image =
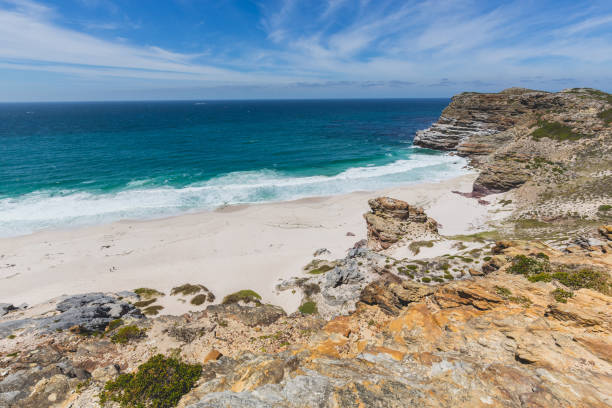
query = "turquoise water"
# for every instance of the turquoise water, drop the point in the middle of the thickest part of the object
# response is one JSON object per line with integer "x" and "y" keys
{"x": 71, "y": 164}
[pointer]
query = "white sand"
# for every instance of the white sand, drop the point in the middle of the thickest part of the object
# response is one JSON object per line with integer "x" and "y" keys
{"x": 242, "y": 247}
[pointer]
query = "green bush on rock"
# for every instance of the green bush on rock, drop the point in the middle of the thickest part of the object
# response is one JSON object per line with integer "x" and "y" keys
{"x": 561, "y": 295}
{"x": 127, "y": 333}
{"x": 308, "y": 308}
{"x": 158, "y": 383}
{"x": 525, "y": 265}
{"x": 246, "y": 296}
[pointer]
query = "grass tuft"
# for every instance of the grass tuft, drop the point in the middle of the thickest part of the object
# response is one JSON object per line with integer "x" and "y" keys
{"x": 114, "y": 324}
{"x": 199, "y": 299}
{"x": 152, "y": 310}
{"x": 308, "y": 308}
{"x": 148, "y": 293}
{"x": 127, "y": 333}
{"x": 246, "y": 296}
{"x": 415, "y": 246}
{"x": 187, "y": 289}
{"x": 321, "y": 269}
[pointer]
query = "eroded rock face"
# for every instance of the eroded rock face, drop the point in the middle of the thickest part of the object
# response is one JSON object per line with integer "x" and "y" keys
{"x": 474, "y": 114}
{"x": 391, "y": 293}
{"x": 390, "y": 220}
{"x": 495, "y": 131}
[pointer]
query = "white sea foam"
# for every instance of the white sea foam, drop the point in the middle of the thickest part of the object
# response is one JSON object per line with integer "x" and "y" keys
{"x": 46, "y": 209}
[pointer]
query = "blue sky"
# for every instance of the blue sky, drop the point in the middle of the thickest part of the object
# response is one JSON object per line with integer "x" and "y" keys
{"x": 221, "y": 49}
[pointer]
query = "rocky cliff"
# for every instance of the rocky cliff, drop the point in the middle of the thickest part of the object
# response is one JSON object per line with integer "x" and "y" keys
{"x": 524, "y": 137}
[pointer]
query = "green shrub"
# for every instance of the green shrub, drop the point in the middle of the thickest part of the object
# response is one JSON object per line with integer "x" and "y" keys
{"x": 426, "y": 279}
{"x": 199, "y": 299}
{"x": 585, "y": 278}
{"x": 525, "y": 265}
{"x": 416, "y": 246}
{"x": 152, "y": 310}
{"x": 114, "y": 324}
{"x": 321, "y": 269}
{"x": 555, "y": 131}
{"x": 604, "y": 208}
{"x": 158, "y": 383}
{"x": 606, "y": 116}
{"x": 503, "y": 292}
{"x": 148, "y": 293}
{"x": 187, "y": 289}
{"x": 127, "y": 333}
{"x": 540, "y": 277}
{"x": 308, "y": 308}
{"x": 145, "y": 303}
{"x": 246, "y": 296}
{"x": 561, "y": 295}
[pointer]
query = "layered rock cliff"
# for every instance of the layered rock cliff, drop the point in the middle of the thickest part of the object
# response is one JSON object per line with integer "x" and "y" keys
{"x": 524, "y": 137}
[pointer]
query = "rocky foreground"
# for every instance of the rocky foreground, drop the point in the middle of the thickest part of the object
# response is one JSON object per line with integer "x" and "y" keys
{"x": 518, "y": 316}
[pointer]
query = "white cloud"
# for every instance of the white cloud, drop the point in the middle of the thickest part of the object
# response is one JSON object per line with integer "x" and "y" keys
{"x": 387, "y": 40}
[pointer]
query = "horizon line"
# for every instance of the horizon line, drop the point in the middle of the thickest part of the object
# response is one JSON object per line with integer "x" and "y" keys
{"x": 223, "y": 100}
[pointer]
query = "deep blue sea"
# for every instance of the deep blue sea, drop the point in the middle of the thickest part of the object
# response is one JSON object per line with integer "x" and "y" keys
{"x": 70, "y": 164}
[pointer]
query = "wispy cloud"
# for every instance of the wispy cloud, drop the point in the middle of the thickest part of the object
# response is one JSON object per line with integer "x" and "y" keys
{"x": 337, "y": 44}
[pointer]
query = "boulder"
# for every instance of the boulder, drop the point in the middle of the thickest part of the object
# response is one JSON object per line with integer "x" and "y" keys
{"x": 5, "y": 308}
{"x": 390, "y": 220}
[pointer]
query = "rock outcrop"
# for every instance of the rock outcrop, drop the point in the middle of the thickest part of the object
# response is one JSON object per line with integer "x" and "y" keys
{"x": 391, "y": 220}
{"x": 524, "y": 137}
{"x": 86, "y": 313}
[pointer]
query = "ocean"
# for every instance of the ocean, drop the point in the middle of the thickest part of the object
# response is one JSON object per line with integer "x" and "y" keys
{"x": 64, "y": 165}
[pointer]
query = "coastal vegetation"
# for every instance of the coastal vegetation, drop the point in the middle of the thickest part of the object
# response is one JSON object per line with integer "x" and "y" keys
{"x": 148, "y": 293}
{"x": 152, "y": 310}
{"x": 114, "y": 324}
{"x": 245, "y": 296}
{"x": 187, "y": 289}
{"x": 309, "y": 307}
{"x": 198, "y": 299}
{"x": 555, "y": 131}
{"x": 415, "y": 246}
{"x": 158, "y": 383}
{"x": 126, "y": 334}
{"x": 539, "y": 269}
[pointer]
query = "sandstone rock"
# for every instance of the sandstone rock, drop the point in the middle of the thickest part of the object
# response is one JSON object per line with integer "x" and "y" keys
{"x": 499, "y": 177}
{"x": 392, "y": 294}
{"x": 606, "y": 231}
{"x": 390, "y": 220}
{"x": 213, "y": 355}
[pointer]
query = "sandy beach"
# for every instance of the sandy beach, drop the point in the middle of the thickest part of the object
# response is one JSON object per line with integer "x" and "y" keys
{"x": 234, "y": 248}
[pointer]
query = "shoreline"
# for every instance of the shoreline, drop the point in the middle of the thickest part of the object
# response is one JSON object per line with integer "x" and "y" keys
{"x": 246, "y": 246}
